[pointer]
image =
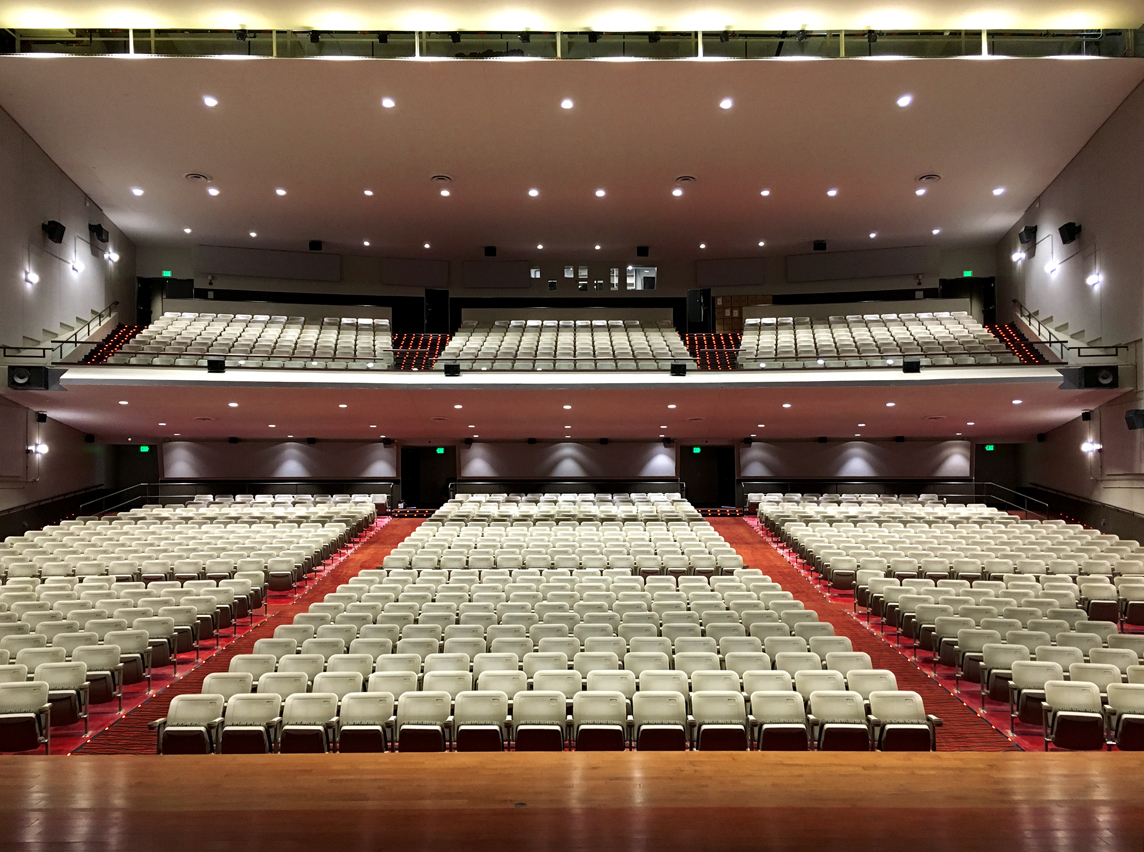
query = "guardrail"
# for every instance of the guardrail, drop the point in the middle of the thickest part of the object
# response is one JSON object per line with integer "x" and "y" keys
{"x": 1062, "y": 347}
{"x": 44, "y": 353}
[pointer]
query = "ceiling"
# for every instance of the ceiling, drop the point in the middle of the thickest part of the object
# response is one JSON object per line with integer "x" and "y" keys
{"x": 414, "y": 407}
{"x": 316, "y": 128}
{"x": 549, "y": 15}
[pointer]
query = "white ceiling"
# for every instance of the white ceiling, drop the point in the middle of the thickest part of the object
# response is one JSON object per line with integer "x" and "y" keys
{"x": 419, "y": 407}
{"x": 316, "y": 128}
{"x": 551, "y": 15}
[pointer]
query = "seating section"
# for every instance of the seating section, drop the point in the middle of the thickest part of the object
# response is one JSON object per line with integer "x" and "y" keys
{"x": 1004, "y": 604}
{"x": 586, "y": 344}
{"x": 939, "y": 339}
{"x": 262, "y": 341}
{"x": 546, "y": 622}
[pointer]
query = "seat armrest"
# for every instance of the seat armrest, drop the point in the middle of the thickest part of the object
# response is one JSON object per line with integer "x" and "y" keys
{"x": 934, "y": 720}
{"x": 157, "y": 724}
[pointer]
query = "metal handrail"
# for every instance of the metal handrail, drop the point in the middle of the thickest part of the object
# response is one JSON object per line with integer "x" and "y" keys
{"x": 45, "y": 352}
{"x": 1059, "y": 345}
{"x": 24, "y": 506}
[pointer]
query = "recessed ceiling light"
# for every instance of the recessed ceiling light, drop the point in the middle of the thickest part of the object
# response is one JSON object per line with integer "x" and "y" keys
{"x": 873, "y": 234}
{"x": 765, "y": 192}
{"x": 123, "y": 402}
{"x": 365, "y": 242}
{"x": 921, "y": 190}
{"x": 540, "y": 245}
{"x": 905, "y": 100}
{"x": 761, "y": 425}
{"x": 677, "y": 192}
{"x": 753, "y": 435}
{"x": 162, "y": 424}
{"x": 999, "y": 190}
{"x": 957, "y": 433}
{"x": 476, "y": 436}
{"x": 970, "y": 423}
{"x": 341, "y": 405}
{"x": 458, "y": 405}
{"x": 372, "y": 426}
{"x": 426, "y": 245}
{"x": 672, "y": 405}
{"x": 212, "y": 190}
{"x": 271, "y": 426}
{"x": 597, "y": 248}
{"x": 762, "y": 243}
{"x": 534, "y": 192}
{"x": 472, "y": 425}
{"x": 569, "y": 427}
{"x": 136, "y": 190}
{"x": 567, "y": 407}
{"x": 600, "y": 193}
{"x": 177, "y": 434}
{"x": 861, "y": 425}
{"x": 936, "y": 231}
{"x": 254, "y": 233}
{"x": 703, "y": 245}
{"x": 786, "y": 405}
{"x": 661, "y": 427}
{"x": 388, "y": 103}
{"x": 210, "y": 100}
{"x": 566, "y": 103}
{"x": 1017, "y": 401}
{"x": 368, "y": 192}
{"x": 279, "y": 191}
{"x": 567, "y": 436}
{"x": 832, "y": 192}
{"x": 726, "y": 103}
{"x": 233, "y": 404}
{"x": 445, "y": 193}
{"x": 890, "y": 404}
{"x": 857, "y": 434}
{"x": 186, "y": 230}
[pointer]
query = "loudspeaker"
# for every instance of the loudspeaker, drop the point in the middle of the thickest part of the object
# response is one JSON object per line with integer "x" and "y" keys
{"x": 29, "y": 378}
{"x": 679, "y": 369}
{"x": 643, "y": 251}
{"x": 1027, "y": 235}
{"x": 603, "y": 440}
{"x": 89, "y": 439}
{"x": 899, "y": 439}
{"x": 822, "y": 440}
{"x": 99, "y": 232}
{"x": 54, "y": 230}
{"x": 1086, "y": 416}
{"x": 311, "y": 440}
{"x": 387, "y": 442}
{"x": 1041, "y": 437}
{"x": 490, "y": 251}
{"x": 667, "y": 442}
{"x": 531, "y": 441}
{"x": 315, "y": 245}
{"x": 820, "y": 245}
{"x": 1077, "y": 378}
{"x": 232, "y": 440}
{"x": 468, "y": 442}
{"x": 452, "y": 370}
{"x": 216, "y": 365}
{"x": 912, "y": 365}
{"x": 41, "y": 417}
{"x": 175, "y": 288}
{"x": 1134, "y": 418}
{"x": 748, "y": 441}
{"x": 1068, "y": 232}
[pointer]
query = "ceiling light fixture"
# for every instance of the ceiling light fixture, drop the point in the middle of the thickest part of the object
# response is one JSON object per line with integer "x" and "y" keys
{"x": 677, "y": 192}
{"x": 162, "y": 424}
{"x": 254, "y": 233}
{"x": 365, "y": 242}
{"x": 136, "y": 190}
{"x": 445, "y": 193}
{"x": 761, "y": 425}
{"x": 1086, "y": 447}
{"x": 703, "y": 245}
{"x": 1018, "y": 401}
{"x": 567, "y": 407}
{"x": 271, "y": 426}
{"x": 113, "y": 256}
{"x": 279, "y": 192}
{"x": 762, "y": 243}
{"x": 388, "y": 103}
{"x": 921, "y": 190}
{"x": 210, "y": 100}
{"x": 233, "y": 404}
{"x": 905, "y": 100}
{"x": 342, "y": 405}
{"x": 458, "y": 405}
{"x": 534, "y": 192}
{"x": 861, "y": 425}
{"x": 726, "y": 103}
{"x": 597, "y": 248}
{"x": 999, "y": 190}
{"x": 77, "y": 266}
{"x": 890, "y": 404}
{"x": 186, "y": 230}
{"x": 540, "y": 245}
{"x": 123, "y": 402}
{"x": 671, "y": 405}
{"x": 212, "y": 190}
{"x": 368, "y": 192}
{"x": 600, "y": 193}
{"x": 1051, "y": 267}
{"x": 873, "y": 234}
{"x": 970, "y": 423}
{"x": 832, "y": 192}
{"x": 426, "y": 245}
{"x": 765, "y": 193}
{"x": 936, "y": 231}
{"x": 786, "y": 405}
{"x": 566, "y": 103}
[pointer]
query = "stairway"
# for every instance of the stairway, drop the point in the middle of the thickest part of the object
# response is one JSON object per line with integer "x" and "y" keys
{"x": 111, "y": 344}
{"x": 714, "y": 351}
{"x": 1018, "y": 344}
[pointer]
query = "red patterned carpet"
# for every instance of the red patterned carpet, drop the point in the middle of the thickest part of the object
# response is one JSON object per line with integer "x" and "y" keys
{"x": 130, "y": 734}
{"x": 962, "y": 729}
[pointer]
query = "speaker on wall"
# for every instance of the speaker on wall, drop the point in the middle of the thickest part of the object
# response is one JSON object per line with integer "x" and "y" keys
{"x": 452, "y": 370}
{"x": 31, "y": 378}
{"x": 54, "y": 230}
{"x": 1134, "y": 418}
{"x": 1069, "y": 231}
{"x": 1027, "y": 235}
{"x": 1077, "y": 378}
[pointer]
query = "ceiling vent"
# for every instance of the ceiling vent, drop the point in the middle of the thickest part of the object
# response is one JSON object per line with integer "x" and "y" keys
{"x": 441, "y": 179}
{"x": 928, "y": 178}
{"x": 197, "y": 177}
{"x": 685, "y": 179}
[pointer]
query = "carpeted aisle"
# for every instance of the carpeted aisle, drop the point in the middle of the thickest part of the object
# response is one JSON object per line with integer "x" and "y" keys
{"x": 962, "y": 729}
{"x": 130, "y": 734}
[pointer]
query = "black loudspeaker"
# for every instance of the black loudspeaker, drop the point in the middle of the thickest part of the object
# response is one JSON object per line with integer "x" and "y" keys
{"x": 667, "y": 442}
{"x": 603, "y": 440}
{"x": 54, "y": 230}
{"x": 89, "y": 438}
{"x": 1086, "y": 416}
{"x": 748, "y": 441}
{"x": 1134, "y": 418}
{"x": 315, "y": 245}
{"x": 1041, "y": 438}
{"x": 899, "y": 439}
{"x": 822, "y": 440}
{"x": 1069, "y": 232}
{"x": 311, "y": 440}
{"x": 99, "y": 232}
{"x": 912, "y": 365}
{"x": 216, "y": 365}
{"x": 531, "y": 441}
{"x": 387, "y": 442}
{"x": 41, "y": 417}
{"x": 1077, "y": 378}
{"x": 232, "y": 440}
{"x": 29, "y": 378}
{"x": 1027, "y": 235}
{"x": 490, "y": 251}
{"x": 452, "y": 369}
{"x": 643, "y": 251}
{"x": 468, "y": 442}
{"x": 179, "y": 288}
{"x": 820, "y": 245}
{"x": 679, "y": 369}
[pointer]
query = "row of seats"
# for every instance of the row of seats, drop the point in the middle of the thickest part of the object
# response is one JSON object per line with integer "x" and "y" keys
{"x": 581, "y": 345}
{"x": 872, "y": 340}
{"x": 543, "y": 720}
{"x": 260, "y": 340}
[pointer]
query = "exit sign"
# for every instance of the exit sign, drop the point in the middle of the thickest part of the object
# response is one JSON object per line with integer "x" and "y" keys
{"x": 144, "y": 449}
{"x": 967, "y": 273}
{"x": 440, "y": 451}
{"x": 166, "y": 273}
{"x": 695, "y": 449}
{"x": 988, "y": 448}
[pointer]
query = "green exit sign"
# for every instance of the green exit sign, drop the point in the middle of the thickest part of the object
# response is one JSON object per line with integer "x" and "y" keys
{"x": 967, "y": 273}
{"x": 166, "y": 273}
{"x": 144, "y": 449}
{"x": 695, "y": 449}
{"x": 988, "y": 448}
{"x": 440, "y": 451}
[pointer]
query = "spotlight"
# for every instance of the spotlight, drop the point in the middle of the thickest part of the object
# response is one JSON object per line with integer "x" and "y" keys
{"x": 679, "y": 369}
{"x": 1069, "y": 232}
{"x": 748, "y": 441}
{"x": 819, "y": 245}
{"x": 667, "y": 442}
{"x": 311, "y": 441}
{"x": 39, "y": 449}
{"x": 387, "y": 442}
{"x": 54, "y": 230}
{"x": 1017, "y": 256}
{"x": 1089, "y": 447}
{"x": 468, "y": 442}
{"x": 31, "y": 277}
{"x": 1027, "y": 235}
{"x": 99, "y": 232}
{"x": 1094, "y": 279}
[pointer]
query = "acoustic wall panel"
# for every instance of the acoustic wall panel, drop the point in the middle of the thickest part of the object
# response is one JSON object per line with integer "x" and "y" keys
{"x": 568, "y": 460}
{"x": 856, "y": 460}
{"x": 285, "y": 460}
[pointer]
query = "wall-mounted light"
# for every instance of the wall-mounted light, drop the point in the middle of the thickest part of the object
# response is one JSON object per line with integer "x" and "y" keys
{"x": 1094, "y": 279}
{"x": 31, "y": 277}
{"x": 77, "y": 266}
{"x": 1051, "y": 267}
{"x": 38, "y": 449}
{"x": 1089, "y": 447}
{"x": 1017, "y": 256}
{"x": 111, "y": 256}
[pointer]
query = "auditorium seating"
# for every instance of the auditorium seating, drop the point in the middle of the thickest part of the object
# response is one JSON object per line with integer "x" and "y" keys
{"x": 582, "y": 345}
{"x": 1010, "y": 604}
{"x": 527, "y": 621}
{"x": 939, "y": 339}
{"x": 262, "y": 341}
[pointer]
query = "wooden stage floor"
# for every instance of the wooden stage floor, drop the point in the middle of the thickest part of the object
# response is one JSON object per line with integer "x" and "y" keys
{"x": 507, "y": 802}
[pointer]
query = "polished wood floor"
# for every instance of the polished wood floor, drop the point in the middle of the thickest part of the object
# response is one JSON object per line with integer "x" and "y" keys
{"x": 508, "y": 802}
